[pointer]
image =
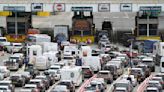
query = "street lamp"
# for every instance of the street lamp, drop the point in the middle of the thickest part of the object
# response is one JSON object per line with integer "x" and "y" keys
{"x": 131, "y": 51}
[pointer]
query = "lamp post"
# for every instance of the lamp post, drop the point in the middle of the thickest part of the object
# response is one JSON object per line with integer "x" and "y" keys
{"x": 131, "y": 51}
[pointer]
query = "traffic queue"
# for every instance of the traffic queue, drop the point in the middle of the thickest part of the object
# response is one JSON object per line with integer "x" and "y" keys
{"x": 64, "y": 67}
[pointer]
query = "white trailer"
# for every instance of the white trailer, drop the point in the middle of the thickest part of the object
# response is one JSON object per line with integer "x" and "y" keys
{"x": 52, "y": 56}
{"x": 73, "y": 73}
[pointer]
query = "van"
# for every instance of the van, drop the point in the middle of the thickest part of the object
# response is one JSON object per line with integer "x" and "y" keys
{"x": 162, "y": 65}
{"x": 72, "y": 49}
{"x": 34, "y": 51}
{"x": 93, "y": 61}
{"x": 42, "y": 63}
{"x": 118, "y": 64}
{"x": 52, "y": 57}
{"x": 73, "y": 73}
{"x": 112, "y": 68}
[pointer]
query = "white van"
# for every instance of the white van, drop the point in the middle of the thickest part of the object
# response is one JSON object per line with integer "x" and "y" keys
{"x": 73, "y": 73}
{"x": 85, "y": 51}
{"x": 162, "y": 65}
{"x": 72, "y": 49}
{"x": 34, "y": 51}
{"x": 52, "y": 57}
{"x": 93, "y": 61}
{"x": 42, "y": 63}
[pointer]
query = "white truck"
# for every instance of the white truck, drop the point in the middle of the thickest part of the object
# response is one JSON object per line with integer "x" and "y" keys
{"x": 73, "y": 73}
{"x": 52, "y": 56}
{"x": 93, "y": 61}
{"x": 3, "y": 41}
{"x": 72, "y": 49}
{"x": 33, "y": 52}
{"x": 48, "y": 46}
{"x": 42, "y": 63}
{"x": 34, "y": 39}
{"x": 61, "y": 32}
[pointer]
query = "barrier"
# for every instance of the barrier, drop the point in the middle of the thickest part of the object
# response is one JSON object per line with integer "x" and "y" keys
{"x": 143, "y": 85}
{"x": 86, "y": 83}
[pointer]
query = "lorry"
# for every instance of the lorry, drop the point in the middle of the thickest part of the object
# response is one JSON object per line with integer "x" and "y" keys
{"x": 93, "y": 61}
{"x": 73, "y": 73}
{"x": 148, "y": 46}
{"x": 48, "y": 46}
{"x": 42, "y": 63}
{"x": 61, "y": 33}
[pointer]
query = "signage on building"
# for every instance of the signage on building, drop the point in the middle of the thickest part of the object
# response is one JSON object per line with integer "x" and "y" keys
{"x": 37, "y": 7}
{"x": 127, "y": 7}
{"x": 82, "y": 9}
{"x": 59, "y": 7}
{"x": 14, "y": 8}
{"x": 104, "y": 7}
{"x": 150, "y": 8}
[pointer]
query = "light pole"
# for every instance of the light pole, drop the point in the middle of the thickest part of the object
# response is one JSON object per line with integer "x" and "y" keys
{"x": 131, "y": 51}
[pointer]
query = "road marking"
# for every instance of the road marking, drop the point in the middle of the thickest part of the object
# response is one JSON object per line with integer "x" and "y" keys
{"x": 50, "y": 89}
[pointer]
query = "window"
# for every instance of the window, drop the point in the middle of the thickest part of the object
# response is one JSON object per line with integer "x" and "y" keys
{"x": 162, "y": 64}
{"x": 142, "y": 29}
{"x": 153, "y": 29}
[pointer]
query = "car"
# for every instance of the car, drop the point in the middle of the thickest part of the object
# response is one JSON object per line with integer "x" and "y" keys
{"x": 123, "y": 83}
{"x": 33, "y": 71}
{"x": 14, "y": 47}
{"x": 159, "y": 75}
{"x": 27, "y": 76}
{"x": 152, "y": 83}
{"x": 8, "y": 83}
{"x": 55, "y": 73}
{"x": 18, "y": 79}
{"x": 69, "y": 84}
{"x": 2, "y": 77}
{"x": 5, "y": 89}
{"x": 150, "y": 62}
{"x": 121, "y": 89}
{"x": 136, "y": 61}
{"x": 108, "y": 77}
{"x": 12, "y": 64}
{"x": 40, "y": 84}
{"x": 87, "y": 71}
{"x": 158, "y": 79}
{"x": 145, "y": 68}
{"x": 151, "y": 89}
{"x": 30, "y": 88}
{"x": 60, "y": 88}
{"x": 95, "y": 86}
{"x": 113, "y": 69}
{"x": 100, "y": 80}
{"x": 50, "y": 77}
{"x": 18, "y": 57}
{"x": 45, "y": 80}
{"x": 61, "y": 64}
{"x": 5, "y": 71}
{"x": 133, "y": 80}
{"x": 138, "y": 73}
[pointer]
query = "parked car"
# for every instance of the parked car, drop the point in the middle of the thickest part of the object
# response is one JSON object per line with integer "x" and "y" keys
{"x": 18, "y": 79}
{"x": 8, "y": 83}
{"x": 40, "y": 84}
{"x": 108, "y": 77}
{"x": 69, "y": 84}
{"x": 87, "y": 71}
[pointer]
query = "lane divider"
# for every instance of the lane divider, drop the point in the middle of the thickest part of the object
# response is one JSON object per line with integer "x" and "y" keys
{"x": 81, "y": 89}
{"x": 143, "y": 85}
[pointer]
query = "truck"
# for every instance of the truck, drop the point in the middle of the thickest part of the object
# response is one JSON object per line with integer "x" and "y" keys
{"x": 148, "y": 46}
{"x": 73, "y": 73}
{"x": 61, "y": 33}
{"x": 42, "y": 63}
